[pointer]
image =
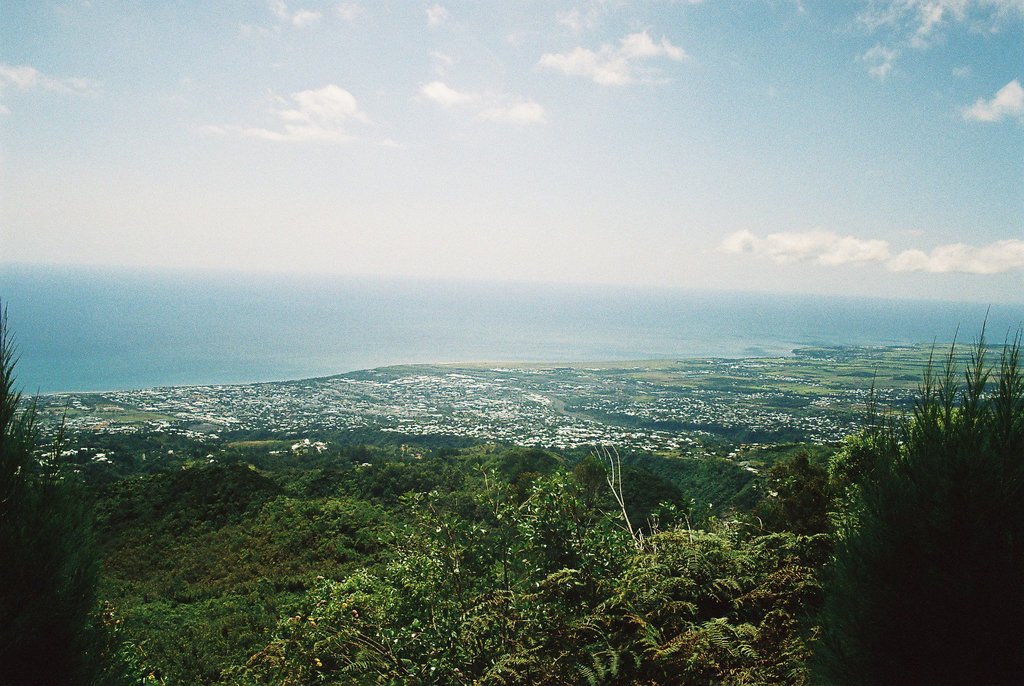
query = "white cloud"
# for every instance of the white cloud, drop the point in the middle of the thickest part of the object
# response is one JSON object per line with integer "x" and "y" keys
{"x": 613, "y": 65}
{"x": 1007, "y": 102}
{"x": 640, "y": 45}
{"x": 348, "y": 11}
{"x": 920, "y": 20}
{"x": 515, "y": 113}
{"x": 931, "y": 13}
{"x": 993, "y": 258}
{"x": 437, "y": 15}
{"x": 573, "y": 19}
{"x": 321, "y": 115}
{"x": 500, "y": 107}
{"x": 442, "y": 62}
{"x": 823, "y": 247}
{"x": 917, "y": 19}
{"x": 445, "y": 96}
{"x": 23, "y": 77}
{"x": 830, "y": 249}
{"x": 879, "y": 60}
{"x": 591, "y": 13}
{"x": 579, "y": 20}
{"x": 250, "y": 31}
{"x": 298, "y": 18}
{"x": 919, "y": 24}
{"x": 305, "y": 18}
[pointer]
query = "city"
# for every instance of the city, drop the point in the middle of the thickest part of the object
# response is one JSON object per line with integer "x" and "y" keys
{"x": 814, "y": 396}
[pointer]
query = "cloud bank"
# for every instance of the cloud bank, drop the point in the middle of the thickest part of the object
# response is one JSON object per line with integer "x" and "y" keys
{"x": 830, "y": 249}
{"x": 613, "y": 65}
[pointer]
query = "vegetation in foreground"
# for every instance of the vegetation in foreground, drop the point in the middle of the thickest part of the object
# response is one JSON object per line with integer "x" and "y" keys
{"x": 893, "y": 560}
{"x": 50, "y": 631}
{"x": 924, "y": 586}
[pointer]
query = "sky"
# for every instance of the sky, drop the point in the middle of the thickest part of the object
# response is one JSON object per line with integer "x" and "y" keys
{"x": 869, "y": 148}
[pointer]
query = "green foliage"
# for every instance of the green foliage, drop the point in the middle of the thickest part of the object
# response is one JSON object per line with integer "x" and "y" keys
{"x": 202, "y": 562}
{"x": 382, "y": 481}
{"x": 133, "y": 454}
{"x": 854, "y": 466}
{"x": 191, "y": 643}
{"x": 799, "y": 497}
{"x": 511, "y": 464}
{"x": 716, "y": 607}
{"x": 645, "y": 492}
{"x": 177, "y": 500}
{"x": 714, "y": 485}
{"x": 493, "y": 564}
{"x": 925, "y": 585}
{"x": 490, "y": 588}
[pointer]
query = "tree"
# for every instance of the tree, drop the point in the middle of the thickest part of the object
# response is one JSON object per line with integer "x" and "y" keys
{"x": 49, "y": 629}
{"x": 924, "y": 587}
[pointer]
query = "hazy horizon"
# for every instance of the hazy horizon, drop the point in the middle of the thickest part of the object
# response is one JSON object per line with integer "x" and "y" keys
{"x": 869, "y": 148}
{"x": 252, "y": 275}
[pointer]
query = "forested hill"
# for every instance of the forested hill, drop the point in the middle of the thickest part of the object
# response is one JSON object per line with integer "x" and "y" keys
{"x": 455, "y": 565}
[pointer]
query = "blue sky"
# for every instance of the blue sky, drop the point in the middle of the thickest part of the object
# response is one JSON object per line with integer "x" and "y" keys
{"x": 868, "y": 148}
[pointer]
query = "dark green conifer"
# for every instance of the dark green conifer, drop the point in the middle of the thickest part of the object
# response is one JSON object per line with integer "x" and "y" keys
{"x": 926, "y": 584}
{"x": 48, "y": 562}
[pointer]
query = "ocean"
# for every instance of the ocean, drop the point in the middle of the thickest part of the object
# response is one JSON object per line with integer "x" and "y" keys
{"x": 90, "y": 329}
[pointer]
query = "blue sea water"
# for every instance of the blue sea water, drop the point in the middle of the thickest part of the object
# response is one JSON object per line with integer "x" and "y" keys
{"x": 81, "y": 329}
